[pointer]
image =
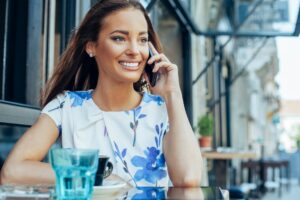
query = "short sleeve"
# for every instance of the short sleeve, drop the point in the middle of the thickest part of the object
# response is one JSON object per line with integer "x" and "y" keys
{"x": 54, "y": 109}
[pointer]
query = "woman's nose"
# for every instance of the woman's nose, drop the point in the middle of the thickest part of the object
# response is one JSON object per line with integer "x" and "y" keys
{"x": 133, "y": 48}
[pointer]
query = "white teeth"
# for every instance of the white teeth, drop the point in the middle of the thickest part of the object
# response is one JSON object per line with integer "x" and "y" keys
{"x": 126, "y": 64}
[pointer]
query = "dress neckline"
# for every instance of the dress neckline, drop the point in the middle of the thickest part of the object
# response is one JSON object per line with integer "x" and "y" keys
{"x": 117, "y": 111}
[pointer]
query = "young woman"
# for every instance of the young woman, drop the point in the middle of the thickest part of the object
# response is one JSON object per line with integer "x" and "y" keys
{"x": 95, "y": 99}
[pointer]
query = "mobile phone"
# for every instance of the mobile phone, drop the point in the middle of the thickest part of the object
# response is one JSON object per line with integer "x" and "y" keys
{"x": 148, "y": 69}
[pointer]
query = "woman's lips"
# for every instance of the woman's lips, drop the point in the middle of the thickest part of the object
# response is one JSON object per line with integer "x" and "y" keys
{"x": 131, "y": 66}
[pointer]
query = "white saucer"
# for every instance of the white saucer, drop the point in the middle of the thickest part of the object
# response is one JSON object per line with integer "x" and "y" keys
{"x": 109, "y": 188}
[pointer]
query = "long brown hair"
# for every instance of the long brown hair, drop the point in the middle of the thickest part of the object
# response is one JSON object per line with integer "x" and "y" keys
{"x": 76, "y": 70}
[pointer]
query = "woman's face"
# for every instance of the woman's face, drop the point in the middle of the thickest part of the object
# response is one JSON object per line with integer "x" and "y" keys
{"x": 121, "y": 51}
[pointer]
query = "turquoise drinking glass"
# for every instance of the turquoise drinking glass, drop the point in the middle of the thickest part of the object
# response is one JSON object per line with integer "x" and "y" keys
{"x": 75, "y": 171}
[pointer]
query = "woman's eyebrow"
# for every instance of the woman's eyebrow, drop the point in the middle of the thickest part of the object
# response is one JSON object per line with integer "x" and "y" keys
{"x": 127, "y": 33}
{"x": 143, "y": 32}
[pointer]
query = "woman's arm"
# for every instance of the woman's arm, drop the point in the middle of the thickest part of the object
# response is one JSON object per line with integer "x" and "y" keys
{"x": 23, "y": 165}
{"x": 181, "y": 149}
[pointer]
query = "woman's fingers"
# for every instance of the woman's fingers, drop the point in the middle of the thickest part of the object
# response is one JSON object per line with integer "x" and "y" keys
{"x": 155, "y": 58}
{"x": 154, "y": 51}
{"x": 164, "y": 64}
{"x": 164, "y": 57}
{"x": 158, "y": 58}
{"x": 156, "y": 55}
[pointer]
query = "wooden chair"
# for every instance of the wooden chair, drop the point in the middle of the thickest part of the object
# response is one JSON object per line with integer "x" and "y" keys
{"x": 251, "y": 185}
{"x": 276, "y": 181}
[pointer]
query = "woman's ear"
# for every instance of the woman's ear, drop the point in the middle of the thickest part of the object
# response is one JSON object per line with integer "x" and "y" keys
{"x": 90, "y": 48}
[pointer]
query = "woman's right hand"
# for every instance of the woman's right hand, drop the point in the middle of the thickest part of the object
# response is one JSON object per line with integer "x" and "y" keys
{"x": 168, "y": 81}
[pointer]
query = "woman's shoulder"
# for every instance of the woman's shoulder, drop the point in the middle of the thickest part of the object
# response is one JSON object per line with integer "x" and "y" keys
{"x": 77, "y": 98}
{"x": 74, "y": 98}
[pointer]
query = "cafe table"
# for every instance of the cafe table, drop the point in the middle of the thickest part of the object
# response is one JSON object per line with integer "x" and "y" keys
{"x": 48, "y": 193}
{"x": 221, "y": 160}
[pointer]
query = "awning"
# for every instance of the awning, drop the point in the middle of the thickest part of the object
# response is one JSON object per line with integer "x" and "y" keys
{"x": 244, "y": 18}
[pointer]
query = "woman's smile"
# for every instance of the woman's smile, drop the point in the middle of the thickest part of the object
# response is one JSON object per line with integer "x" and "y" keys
{"x": 130, "y": 65}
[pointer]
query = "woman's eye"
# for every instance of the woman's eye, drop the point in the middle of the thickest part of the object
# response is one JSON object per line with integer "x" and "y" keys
{"x": 118, "y": 38}
{"x": 144, "y": 40}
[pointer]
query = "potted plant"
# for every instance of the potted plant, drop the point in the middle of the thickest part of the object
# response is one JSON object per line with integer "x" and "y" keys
{"x": 205, "y": 129}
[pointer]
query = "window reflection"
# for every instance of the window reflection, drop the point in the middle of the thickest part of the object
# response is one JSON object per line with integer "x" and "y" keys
{"x": 145, "y": 2}
{"x": 30, "y": 46}
{"x": 8, "y": 137}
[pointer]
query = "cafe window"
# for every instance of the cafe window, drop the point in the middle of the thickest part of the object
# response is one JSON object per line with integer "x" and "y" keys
{"x": 21, "y": 39}
{"x": 33, "y": 33}
{"x": 8, "y": 136}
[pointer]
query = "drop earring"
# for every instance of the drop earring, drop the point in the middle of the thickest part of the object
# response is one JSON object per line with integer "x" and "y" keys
{"x": 145, "y": 85}
{"x": 91, "y": 55}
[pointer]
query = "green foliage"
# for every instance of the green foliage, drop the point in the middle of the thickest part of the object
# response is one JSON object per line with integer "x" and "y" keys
{"x": 205, "y": 125}
{"x": 297, "y": 136}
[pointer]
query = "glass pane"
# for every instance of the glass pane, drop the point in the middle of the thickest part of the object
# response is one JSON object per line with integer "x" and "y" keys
{"x": 21, "y": 45}
{"x": 2, "y": 26}
{"x": 32, "y": 31}
{"x": 145, "y": 2}
{"x": 186, "y": 4}
{"x": 8, "y": 137}
{"x": 269, "y": 16}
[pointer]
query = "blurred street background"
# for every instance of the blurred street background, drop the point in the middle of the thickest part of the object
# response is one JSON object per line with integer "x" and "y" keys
{"x": 239, "y": 71}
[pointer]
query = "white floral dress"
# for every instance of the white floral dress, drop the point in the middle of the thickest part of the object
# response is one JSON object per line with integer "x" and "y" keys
{"x": 132, "y": 139}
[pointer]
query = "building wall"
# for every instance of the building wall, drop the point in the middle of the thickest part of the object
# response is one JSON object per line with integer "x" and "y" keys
{"x": 260, "y": 72}
{"x": 290, "y": 123}
{"x": 199, "y": 58}
{"x": 169, "y": 32}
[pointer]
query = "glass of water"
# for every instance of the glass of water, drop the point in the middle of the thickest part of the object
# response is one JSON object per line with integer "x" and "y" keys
{"x": 75, "y": 171}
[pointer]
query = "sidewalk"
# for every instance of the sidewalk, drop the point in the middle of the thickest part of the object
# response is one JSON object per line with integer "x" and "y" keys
{"x": 290, "y": 194}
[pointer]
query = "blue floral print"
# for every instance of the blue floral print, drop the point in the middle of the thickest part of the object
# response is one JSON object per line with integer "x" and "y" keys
{"x": 159, "y": 133}
{"x": 151, "y": 166}
{"x": 61, "y": 105}
{"x": 150, "y": 193}
{"x": 105, "y": 132}
{"x": 148, "y": 98}
{"x": 133, "y": 125}
{"x": 154, "y": 161}
{"x": 121, "y": 156}
{"x": 79, "y": 97}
